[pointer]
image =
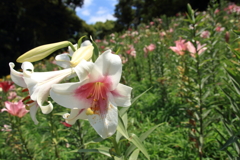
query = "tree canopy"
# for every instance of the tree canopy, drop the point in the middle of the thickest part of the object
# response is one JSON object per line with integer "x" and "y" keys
{"x": 26, "y": 24}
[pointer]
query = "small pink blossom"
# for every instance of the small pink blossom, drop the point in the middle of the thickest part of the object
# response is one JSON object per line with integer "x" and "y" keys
{"x": 131, "y": 51}
{"x": 148, "y": 49}
{"x": 180, "y": 47}
{"x": 219, "y": 29}
{"x": 12, "y": 95}
{"x": 151, "y": 23}
{"x": 6, "y": 128}
{"x": 15, "y": 108}
{"x": 205, "y": 34}
{"x": 98, "y": 41}
{"x": 7, "y": 86}
{"x": 200, "y": 48}
{"x": 216, "y": 11}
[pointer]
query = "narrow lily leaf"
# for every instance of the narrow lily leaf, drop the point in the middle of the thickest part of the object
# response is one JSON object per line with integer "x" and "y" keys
{"x": 229, "y": 142}
{"x": 95, "y": 140}
{"x": 118, "y": 136}
{"x": 41, "y": 52}
{"x": 236, "y": 32}
{"x": 137, "y": 142}
{"x": 142, "y": 137}
{"x": 102, "y": 150}
{"x": 125, "y": 120}
{"x": 191, "y": 12}
{"x": 80, "y": 41}
{"x": 134, "y": 155}
{"x": 118, "y": 50}
{"x": 118, "y": 158}
{"x": 95, "y": 50}
{"x": 121, "y": 128}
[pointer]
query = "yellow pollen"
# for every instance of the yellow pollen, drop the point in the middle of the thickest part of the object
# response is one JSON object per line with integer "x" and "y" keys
{"x": 89, "y": 111}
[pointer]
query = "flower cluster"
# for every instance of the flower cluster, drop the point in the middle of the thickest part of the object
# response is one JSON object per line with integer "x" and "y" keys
{"x": 95, "y": 97}
{"x": 182, "y": 47}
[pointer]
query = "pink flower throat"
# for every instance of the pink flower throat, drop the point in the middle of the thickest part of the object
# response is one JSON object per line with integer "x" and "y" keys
{"x": 95, "y": 94}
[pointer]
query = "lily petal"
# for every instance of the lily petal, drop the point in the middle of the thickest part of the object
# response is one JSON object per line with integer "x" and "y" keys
{"x": 75, "y": 115}
{"x": 39, "y": 84}
{"x": 63, "y": 94}
{"x": 105, "y": 126}
{"x": 17, "y": 77}
{"x": 33, "y": 111}
{"x": 110, "y": 65}
{"x": 83, "y": 68}
{"x": 121, "y": 95}
{"x": 63, "y": 60}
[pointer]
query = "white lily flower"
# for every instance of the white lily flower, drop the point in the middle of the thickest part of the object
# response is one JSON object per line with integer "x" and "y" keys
{"x": 38, "y": 84}
{"x": 97, "y": 95}
{"x": 84, "y": 52}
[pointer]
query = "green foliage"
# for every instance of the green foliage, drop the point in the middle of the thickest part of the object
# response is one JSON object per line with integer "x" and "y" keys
{"x": 183, "y": 106}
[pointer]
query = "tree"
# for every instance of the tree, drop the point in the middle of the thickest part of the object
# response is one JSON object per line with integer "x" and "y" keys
{"x": 27, "y": 24}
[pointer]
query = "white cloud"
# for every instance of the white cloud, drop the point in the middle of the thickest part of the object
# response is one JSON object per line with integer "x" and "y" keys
{"x": 94, "y": 11}
{"x": 101, "y": 18}
{"x": 87, "y": 3}
{"x": 102, "y": 10}
{"x": 81, "y": 11}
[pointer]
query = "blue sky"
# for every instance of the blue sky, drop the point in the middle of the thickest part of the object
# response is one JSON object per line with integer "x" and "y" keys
{"x": 97, "y": 10}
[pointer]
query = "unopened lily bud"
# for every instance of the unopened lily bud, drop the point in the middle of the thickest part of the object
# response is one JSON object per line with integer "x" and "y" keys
{"x": 84, "y": 52}
{"x": 227, "y": 37}
{"x": 41, "y": 52}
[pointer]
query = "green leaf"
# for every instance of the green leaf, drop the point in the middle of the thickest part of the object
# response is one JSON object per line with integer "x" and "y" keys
{"x": 95, "y": 140}
{"x": 95, "y": 50}
{"x": 134, "y": 155}
{"x": 142, "y": 137}
{"x": 137, "y": 142}
{"x": 121, "y": 128}
{"x": 236, "y": 32}
{"x": 80, "y": 41}
{"x": 118, "y": 50}
{"x": 102, "y": 150}
{"x": 191, "y": 12}
{"x": 124, "y": 110}
{"x": 231, "y": 140}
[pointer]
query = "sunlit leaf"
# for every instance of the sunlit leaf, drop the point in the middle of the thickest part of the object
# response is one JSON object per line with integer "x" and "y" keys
{"x": 134, "y": 155}
{"x": 137, "y": 142}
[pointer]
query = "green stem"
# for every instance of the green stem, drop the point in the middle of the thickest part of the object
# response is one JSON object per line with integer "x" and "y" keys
{"x": 53, "y": 131}
{"x": 81, "y": 141}
{"x": 23, "y": 142}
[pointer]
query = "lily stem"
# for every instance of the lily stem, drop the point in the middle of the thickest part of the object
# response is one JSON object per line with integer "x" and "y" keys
{"x": 23, "y": 141}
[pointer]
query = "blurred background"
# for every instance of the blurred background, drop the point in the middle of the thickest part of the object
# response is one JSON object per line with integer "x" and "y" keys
{"x": 25, "y": 24}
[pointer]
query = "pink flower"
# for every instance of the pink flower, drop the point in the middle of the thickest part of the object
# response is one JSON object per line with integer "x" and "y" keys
{"x": 151, "y": 23}
{"x": 6, "y": 128}
{"x": 15, "y": 108}
{"x": 216, "y": 11}
{"x": 6, "y": 86}
{"x": 205, "y": 34}
{"x": 193, "y": 50}
{"x": 12, "y": 95}
{"x": 180, "y": 47}
{"x": 149, "y": 48}
{"x": 131, "y": 51}
{"x": 219, "y": 29}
